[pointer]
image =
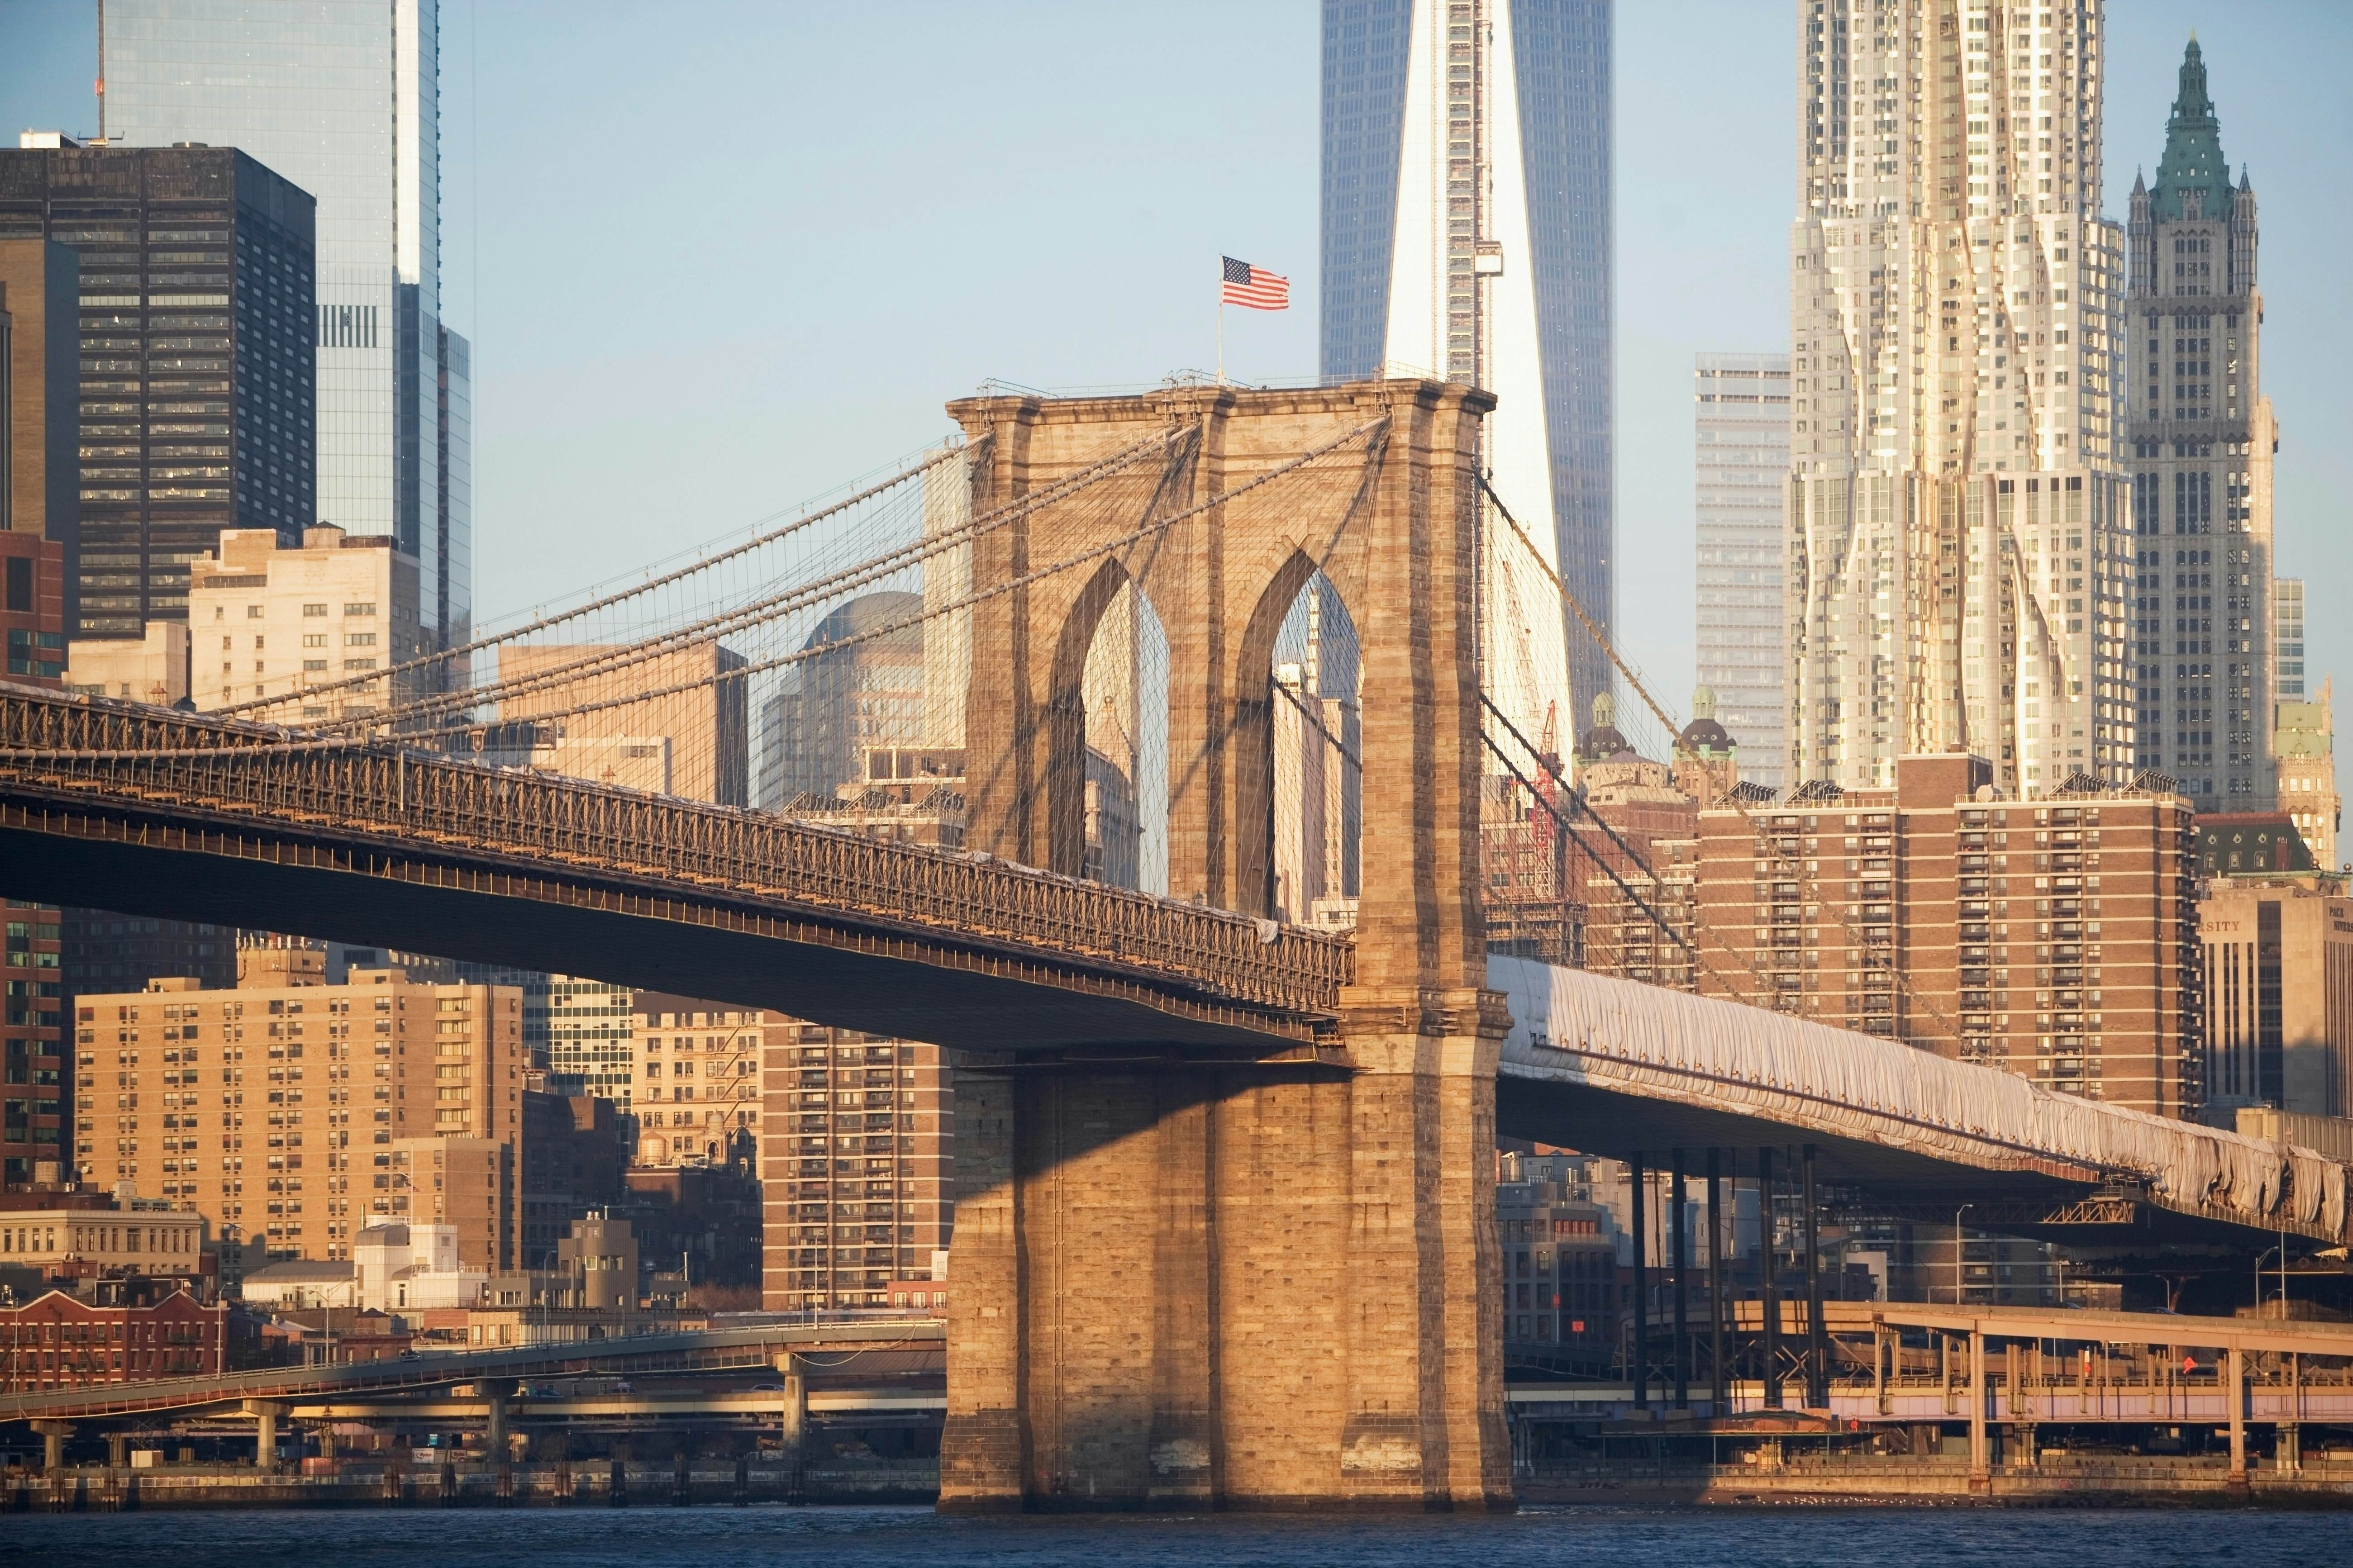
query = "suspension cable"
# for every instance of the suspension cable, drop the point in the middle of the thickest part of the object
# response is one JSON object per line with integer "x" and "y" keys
{"x": 705, "y": 563}
{"x": 775, "y": 606}
{"x": 1013, "y": 584}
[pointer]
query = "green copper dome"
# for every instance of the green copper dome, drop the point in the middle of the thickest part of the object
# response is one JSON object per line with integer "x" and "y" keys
{"x": 2193, "y": 157}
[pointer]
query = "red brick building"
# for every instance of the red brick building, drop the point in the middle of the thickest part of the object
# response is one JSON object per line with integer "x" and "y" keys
{"x": 57, "y": 1340}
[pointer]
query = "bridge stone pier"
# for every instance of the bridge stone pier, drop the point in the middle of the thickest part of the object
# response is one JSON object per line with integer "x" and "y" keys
{"x": 1195, "y": 1279}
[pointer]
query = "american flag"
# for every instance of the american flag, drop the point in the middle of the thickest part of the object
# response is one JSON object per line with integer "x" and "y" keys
{"x": 1254, "y": 286}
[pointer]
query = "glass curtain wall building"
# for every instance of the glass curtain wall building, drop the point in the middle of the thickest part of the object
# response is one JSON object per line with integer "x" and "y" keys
{"x": 1466, "y": 233}
{"x": 1741, "y": 430}
{"x": 2287, "y": 638}
{"x": 342, "y": 97}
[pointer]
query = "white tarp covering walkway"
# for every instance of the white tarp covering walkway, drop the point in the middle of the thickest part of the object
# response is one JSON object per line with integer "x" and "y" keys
{"x": 1574, "y": 1027}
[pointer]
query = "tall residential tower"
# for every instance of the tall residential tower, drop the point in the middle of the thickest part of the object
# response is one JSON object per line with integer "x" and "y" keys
{"x": 343, "y": 97}
{"x": 2201, "y": 438}
{"x": 1467, "y": 236}
{"x": 1959, "y": 543}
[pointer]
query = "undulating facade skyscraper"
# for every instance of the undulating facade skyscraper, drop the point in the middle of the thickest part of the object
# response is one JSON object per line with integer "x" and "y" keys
{"x": 1740, "y": 419}
{"x": 343, "y": 97}
{"x": 1467, "y": 235}
{"x": 1961, "y": 545}
{"x": 2202, "y": 437}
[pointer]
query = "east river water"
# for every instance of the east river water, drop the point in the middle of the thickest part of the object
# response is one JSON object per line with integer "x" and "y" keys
{"x": 656, "y": 1537}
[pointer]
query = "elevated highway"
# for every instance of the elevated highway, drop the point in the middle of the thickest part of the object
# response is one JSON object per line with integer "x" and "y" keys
{"x": 702, "y": 1352}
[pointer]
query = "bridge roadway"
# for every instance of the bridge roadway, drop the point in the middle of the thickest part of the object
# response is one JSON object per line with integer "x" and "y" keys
{"x": 180, "y": 816}
{"x": 1616, "y": 1067}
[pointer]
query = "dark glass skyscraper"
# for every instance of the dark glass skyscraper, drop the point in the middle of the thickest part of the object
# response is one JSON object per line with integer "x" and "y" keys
{"x": 1540, "y": 142}
{"x": 196, "y": 365}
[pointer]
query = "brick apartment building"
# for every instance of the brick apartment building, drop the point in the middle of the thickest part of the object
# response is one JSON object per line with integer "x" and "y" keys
{"x": 287, "y": 1111}
{"x": 2055, "y": 938}
{"x": 856, "y": 1166}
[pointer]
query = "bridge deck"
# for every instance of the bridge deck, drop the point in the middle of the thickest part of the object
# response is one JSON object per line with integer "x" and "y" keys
{"x": 196, "y": 817}
{"x": 1616, "y": 1067}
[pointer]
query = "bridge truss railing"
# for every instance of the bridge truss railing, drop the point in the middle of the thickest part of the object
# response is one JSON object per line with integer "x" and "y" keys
{"x": 146, "y": 758}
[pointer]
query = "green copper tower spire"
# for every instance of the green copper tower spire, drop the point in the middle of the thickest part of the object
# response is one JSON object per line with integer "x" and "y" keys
{"x": 2193, "y": 167}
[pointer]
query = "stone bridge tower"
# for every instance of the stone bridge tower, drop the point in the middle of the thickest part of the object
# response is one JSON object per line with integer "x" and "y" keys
{"x": 1180, "y": 1281}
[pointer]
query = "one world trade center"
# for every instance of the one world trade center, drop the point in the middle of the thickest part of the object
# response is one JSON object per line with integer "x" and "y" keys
{"x": 1466, "y": 236}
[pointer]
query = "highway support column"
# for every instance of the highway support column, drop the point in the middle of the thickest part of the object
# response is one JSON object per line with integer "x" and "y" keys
{"x": 2234, "y": 1390}
{"x": 53, "y": 1435}
{"x": 1638, "y": 1352}
{"x": 495, "y": 1447}
{"x": 794, "y": 1433}
{"x": 1719, "y": 1383}
{"x": 1817, "y": 1344}
{"x": 1769, "y": 1288}
{"x": 266, "y": 1414}
{"x": 1681, "y": 1231}
{"x": 1980, "y": 1466}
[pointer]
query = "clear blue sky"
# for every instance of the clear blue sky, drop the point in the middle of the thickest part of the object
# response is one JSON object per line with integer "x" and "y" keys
{"x": 723, "y": 260}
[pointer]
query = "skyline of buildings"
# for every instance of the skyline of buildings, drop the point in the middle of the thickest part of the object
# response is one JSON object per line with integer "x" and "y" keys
{"x": 2277, "y": 953}
{"x": 394, "y": 393}
{"x": 857, "y": 1169}
{"x": 275, "y": 1108}
{"x": 2019, "y": 501}
{"x": 328, "y": 615}
{"x": 2053, "y": 938}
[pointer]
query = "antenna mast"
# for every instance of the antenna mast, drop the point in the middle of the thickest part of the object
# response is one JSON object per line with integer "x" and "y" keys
{"x": 101, "y": 73}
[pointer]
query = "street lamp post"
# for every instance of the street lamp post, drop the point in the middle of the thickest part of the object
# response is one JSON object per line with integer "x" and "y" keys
{"x": 2266, "y": 1252}
{"x": 1958, "y": 1250}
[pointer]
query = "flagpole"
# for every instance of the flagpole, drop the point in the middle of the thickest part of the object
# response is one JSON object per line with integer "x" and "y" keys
{"x": 1222, "y": 331}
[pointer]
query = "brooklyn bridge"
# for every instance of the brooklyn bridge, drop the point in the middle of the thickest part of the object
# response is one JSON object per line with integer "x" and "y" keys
{"x": 1270, "y": 1135}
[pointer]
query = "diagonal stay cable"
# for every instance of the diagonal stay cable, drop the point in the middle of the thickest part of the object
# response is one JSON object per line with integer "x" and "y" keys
{"x": 1764, "y": 987}
{"x": 1794, "y": 868}
{"x": 1338, "y": 744}
{"x": 1624, "y": 887}
{"x": 1567, "y": 826}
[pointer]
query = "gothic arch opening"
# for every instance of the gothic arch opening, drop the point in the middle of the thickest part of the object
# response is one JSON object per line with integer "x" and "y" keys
{"x": 1110, "y": 788}
{"x": 1315, "y": 737}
